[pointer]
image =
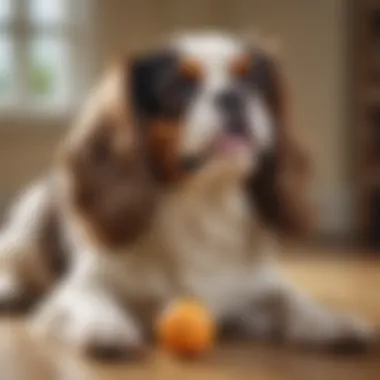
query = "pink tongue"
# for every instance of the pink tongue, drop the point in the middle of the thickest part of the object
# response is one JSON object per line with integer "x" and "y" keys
{"x": 228, "y": 144}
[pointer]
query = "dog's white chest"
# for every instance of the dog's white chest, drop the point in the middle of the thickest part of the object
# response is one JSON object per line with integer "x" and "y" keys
{"x": 209, "y": 239}
{"x": 200, "y": 245}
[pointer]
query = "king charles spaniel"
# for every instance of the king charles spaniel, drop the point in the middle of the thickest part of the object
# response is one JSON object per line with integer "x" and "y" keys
{"x": 176, "y": 179}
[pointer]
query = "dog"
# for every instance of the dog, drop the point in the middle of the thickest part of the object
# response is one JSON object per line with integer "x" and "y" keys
{"x": 178, "y": 179}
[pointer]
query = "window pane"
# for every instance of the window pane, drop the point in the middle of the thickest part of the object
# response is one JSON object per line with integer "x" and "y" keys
{"x": 6, "y": 64}
{"x": 48, "y": 68}
{"x": 47, "y": 11}
{"x": 5, "y": 10}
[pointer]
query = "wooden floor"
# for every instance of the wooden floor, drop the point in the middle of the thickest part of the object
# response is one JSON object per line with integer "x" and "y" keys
{"x": 347, "y": 283}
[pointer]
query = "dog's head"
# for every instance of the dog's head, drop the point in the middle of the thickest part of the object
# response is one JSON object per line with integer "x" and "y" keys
{"x": 161, "y": 117}
{"x": 203, "y": 98}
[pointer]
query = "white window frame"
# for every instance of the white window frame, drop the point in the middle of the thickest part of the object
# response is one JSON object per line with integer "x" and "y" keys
{"x": 78, "y": 29}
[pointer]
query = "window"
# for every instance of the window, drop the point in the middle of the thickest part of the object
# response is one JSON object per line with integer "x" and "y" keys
{"x": 43, "y": 46}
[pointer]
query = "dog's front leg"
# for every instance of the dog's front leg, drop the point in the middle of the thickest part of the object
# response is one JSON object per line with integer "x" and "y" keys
{"x": 279, "y": 309}
{"x": 83, "y": 312}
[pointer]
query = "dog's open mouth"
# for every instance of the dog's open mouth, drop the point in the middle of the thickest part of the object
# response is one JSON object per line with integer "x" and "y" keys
{"x": 232, "y": 145}
{"x": 226, "y": 145}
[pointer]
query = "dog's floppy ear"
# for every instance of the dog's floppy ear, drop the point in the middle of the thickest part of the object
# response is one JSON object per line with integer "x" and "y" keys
{"x": 278, "y": 188}
{"x": 110, "y": 190}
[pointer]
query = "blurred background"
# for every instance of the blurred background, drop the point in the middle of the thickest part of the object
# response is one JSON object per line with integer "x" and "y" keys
{"x": 53, "y": 51}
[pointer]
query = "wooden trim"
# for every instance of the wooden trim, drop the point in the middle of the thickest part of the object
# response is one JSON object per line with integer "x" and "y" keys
{"x": 366, "y": 99}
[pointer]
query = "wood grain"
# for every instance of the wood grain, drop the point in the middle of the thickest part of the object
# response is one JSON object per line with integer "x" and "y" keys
{"x": 347, "y": 283}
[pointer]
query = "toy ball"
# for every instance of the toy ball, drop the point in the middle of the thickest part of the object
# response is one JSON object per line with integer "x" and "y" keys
{"x": 186, "y": 328}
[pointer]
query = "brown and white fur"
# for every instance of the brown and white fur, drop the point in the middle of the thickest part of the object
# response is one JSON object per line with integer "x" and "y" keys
{"x": 177, "y": 178}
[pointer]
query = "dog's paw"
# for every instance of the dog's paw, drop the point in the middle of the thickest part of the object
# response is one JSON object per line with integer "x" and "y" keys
{"x": 94, "y": 325}
{"x": 330, "y": 332}
{"x": 104, "y": 337}
{"x": 103, "y": 341}
{"x": 352, "y": 335}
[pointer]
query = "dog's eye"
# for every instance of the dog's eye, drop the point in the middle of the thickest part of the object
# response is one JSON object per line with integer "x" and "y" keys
{"x": 260, "y": 75}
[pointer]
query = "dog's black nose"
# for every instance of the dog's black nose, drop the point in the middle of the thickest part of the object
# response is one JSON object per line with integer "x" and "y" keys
{"x": 191, "y": 163}
{"x": 231, "y": 105}
{"x": 230, "y": 101}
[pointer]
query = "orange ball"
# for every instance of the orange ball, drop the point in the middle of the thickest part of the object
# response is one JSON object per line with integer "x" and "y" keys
{"x": 186, "y": 328}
